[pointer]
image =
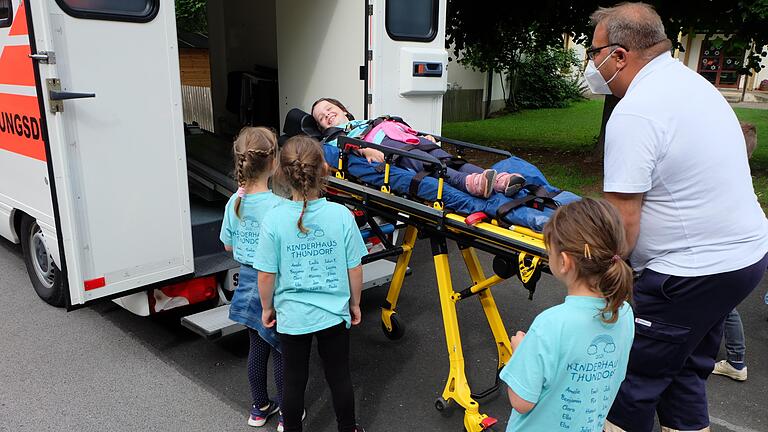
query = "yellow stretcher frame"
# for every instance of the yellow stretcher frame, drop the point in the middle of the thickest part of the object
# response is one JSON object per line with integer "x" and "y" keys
{"x": 520, "y": 251}
{"x": 441, "y": 227}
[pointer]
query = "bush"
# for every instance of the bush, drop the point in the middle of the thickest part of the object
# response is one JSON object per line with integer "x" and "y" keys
{"x": 546, "y": 79}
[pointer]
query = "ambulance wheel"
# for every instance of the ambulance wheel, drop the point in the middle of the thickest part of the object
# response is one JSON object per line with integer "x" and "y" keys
{"x": 398, "y": 330}
{"x": 441, "y": 404}
{"x": 47, "y": 280}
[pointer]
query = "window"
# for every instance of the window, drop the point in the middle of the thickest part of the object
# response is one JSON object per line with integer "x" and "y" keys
{"x": 720, "y": 65}
{"x": 412, "y": 20}
{"x": 6, "y": 13}
{"x": 115, "y": 10}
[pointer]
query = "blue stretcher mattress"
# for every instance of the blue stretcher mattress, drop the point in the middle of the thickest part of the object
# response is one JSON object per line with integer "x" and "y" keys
{"x": 456, "y": 200}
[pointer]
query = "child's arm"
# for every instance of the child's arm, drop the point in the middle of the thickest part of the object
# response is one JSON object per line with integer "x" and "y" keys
{"x": 519, "y": 404}
{"x": 355, "y": 289}
{"x": 266, "y": 293}
{"x": 228, "y": 248}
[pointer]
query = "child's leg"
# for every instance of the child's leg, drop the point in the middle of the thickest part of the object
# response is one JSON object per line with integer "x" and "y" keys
{"x": 258, "y": 356}
{"x": 295, "y": 358}
{"x": 333, "y": 346}
{"x": 277, "y": 364}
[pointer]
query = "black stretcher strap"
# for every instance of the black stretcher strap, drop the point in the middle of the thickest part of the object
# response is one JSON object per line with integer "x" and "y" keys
{"x": 538, "y": 197}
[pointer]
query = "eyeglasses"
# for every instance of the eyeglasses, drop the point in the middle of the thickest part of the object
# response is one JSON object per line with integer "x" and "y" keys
{"x": 592, "y": 52}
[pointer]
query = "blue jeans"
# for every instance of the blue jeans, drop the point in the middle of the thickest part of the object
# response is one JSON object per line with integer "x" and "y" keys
{"x": 245, "y": 307}
{"x": 735, "y": 346}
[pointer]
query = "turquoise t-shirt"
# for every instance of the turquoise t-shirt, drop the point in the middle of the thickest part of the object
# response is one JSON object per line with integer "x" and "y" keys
{"x": 312, "y": 284}
{"x": 570, "y": 364}
{"x": 243, "y": 233}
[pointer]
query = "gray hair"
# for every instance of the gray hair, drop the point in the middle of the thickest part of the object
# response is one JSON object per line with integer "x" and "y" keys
{"x": 635, "y": 26}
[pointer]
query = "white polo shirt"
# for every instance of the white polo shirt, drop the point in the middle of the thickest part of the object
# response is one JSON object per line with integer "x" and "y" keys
{"x": 675, "y": 138}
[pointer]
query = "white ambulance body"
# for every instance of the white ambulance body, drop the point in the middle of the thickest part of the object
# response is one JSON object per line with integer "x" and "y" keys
{"x": 94, "y": 168}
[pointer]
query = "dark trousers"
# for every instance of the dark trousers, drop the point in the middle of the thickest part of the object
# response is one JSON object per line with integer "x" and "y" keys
{"x": 678, "y": 329}
{"x": 333, "y": 347}
{"x": 456, "y": 177}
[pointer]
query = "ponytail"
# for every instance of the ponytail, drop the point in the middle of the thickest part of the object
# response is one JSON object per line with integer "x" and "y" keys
{"x": 616, "y": 286}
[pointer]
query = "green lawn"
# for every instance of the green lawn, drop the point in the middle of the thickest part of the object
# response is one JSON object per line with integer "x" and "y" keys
{"x": 560, "y": 142}
{"x": 572, "y": 128}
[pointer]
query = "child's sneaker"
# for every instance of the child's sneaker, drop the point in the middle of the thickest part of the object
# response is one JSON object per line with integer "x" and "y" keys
{"x": 280, "y": 427}
{"x": 508, "y": 184}
{"x": 260, "y": 416}
{"x": 481, "y": 184}
{"x": 359, "y": 428}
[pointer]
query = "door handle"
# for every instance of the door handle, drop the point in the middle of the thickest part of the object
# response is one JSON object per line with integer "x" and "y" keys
{"x": 65, "y": 95}
{"x": 56, "y": 96}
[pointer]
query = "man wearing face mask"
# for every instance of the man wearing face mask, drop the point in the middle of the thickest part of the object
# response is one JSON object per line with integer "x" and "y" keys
{"x": 676, "y": 168}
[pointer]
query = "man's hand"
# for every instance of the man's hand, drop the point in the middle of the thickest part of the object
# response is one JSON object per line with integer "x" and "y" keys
{"x": 354, "y": 312}
{"x": 516, "y": 339}
{"x": 372, "y": 155}
{"x": 268, "y": 317}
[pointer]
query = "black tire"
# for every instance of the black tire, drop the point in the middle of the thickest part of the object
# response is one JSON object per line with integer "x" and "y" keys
{"x": 398, "y": 330}
{"x": 47, "y": 280}
{"x": 441, "y": 404}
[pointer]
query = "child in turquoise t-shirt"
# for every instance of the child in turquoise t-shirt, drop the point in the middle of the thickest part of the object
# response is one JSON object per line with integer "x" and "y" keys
{"x": 255, "y": 152}
{"x": 310, "y": 279}
{"x": 566, "y": 371}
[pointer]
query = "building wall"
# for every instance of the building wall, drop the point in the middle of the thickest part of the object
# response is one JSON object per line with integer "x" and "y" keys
{"x": 195, "y": 67}
{"x": 693, "y": 53}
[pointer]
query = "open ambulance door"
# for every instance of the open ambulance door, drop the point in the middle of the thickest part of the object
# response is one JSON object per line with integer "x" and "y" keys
{"x": 108, "y": 76}
{"x": 407, "y": 61}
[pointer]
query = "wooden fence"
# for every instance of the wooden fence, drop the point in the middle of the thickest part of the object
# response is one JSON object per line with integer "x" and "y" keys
{"x": 198, "y": 106}
{"x": 463, "y": 105}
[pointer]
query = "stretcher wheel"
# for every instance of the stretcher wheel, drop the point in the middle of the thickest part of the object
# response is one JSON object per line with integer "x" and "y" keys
{"x": 441, "y": 404}
{"x": 398, "y": 330}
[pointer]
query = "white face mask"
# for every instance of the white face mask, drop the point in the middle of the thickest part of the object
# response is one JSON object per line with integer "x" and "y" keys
{"x": 595, "y": 81}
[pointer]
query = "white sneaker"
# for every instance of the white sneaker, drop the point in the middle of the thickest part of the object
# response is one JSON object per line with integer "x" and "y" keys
{"x": 725, "y": 369}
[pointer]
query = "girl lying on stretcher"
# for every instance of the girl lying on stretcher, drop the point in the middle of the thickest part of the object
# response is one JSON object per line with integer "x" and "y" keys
{"x": 333, "y": 119}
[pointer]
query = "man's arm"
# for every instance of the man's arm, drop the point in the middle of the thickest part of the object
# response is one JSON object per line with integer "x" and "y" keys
{"x": 629, "y": 206}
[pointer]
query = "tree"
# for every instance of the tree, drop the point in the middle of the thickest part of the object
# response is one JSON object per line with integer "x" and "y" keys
{"x": 492, "y": 36}
{"x": 192, "y": 16}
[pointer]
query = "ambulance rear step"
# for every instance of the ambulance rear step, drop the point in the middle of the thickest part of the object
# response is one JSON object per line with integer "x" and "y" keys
{"x": 215, "y": 323}
{"x": 212, "y": 323}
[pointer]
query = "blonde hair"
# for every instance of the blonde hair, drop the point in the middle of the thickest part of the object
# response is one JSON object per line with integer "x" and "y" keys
{"x": 303, "y": 170}
{"x": 255, "y": 150}
{"x": 591, "y": 232}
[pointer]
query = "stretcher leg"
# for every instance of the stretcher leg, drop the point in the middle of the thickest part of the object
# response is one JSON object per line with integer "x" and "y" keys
{"x": 456, "y": 387}
{"x": 392, "y": 328}
{"x": 489, "y": 306}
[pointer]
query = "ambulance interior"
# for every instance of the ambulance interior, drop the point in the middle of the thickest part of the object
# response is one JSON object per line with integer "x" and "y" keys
{"x": 233, "y": 77}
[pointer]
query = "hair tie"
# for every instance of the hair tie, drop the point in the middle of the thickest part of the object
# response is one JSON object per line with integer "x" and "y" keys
{"x": 241, "y": 192}
{"x": 587, "y": 252}
{"x": 615, "y": 259}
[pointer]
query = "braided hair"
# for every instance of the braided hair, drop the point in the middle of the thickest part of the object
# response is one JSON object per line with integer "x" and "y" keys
{"x": 303, "y": 170}
{"x": 254, "y": 150}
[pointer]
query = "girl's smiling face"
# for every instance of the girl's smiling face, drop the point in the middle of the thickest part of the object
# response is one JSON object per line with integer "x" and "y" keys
{"x": 328, "y": 115}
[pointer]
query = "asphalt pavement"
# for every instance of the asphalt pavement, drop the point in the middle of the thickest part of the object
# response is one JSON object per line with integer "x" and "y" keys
{"x": 102, "y": 368}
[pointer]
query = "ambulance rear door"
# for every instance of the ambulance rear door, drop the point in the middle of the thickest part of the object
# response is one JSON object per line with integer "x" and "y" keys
{"x": 407, "y": 61}
{"x": 108, "y": 76}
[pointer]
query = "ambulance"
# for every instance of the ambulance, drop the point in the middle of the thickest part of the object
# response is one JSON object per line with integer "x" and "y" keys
{"x": 111, "y": 195}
